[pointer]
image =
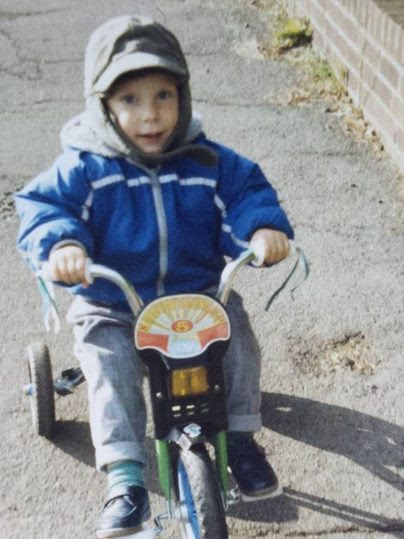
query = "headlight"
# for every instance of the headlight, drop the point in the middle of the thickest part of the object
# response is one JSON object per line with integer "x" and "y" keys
{"x": 191, "y": 381}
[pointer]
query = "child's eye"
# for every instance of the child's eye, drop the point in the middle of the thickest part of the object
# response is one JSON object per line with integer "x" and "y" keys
{"x": 128, "y": 99}
{"x": 164, "y": 94}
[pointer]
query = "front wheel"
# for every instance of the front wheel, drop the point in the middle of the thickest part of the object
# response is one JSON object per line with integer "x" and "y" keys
{"x": 199, "y": 495}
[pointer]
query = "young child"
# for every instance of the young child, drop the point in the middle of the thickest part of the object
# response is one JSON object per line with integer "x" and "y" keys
{"x": 139, "y": 188}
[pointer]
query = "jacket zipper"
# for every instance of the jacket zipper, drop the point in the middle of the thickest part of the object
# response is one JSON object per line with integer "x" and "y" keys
{"x": 163, "y": 231}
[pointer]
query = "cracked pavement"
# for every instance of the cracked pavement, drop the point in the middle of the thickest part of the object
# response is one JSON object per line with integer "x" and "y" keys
{"x": 333, "y": 370}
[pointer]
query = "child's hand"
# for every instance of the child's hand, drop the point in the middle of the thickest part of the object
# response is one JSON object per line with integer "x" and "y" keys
{"x": 276, "y": 244}
{"x": 67, "y": 264}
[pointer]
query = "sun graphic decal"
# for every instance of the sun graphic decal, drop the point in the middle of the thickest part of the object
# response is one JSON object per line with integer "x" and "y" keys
{"x": 181, "y": 326}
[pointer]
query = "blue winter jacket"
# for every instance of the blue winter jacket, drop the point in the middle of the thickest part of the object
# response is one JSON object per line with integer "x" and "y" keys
{"x": 165, "y": 230}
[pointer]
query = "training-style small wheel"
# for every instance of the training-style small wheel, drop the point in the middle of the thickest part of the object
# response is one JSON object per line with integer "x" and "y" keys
{"x": 42, "y": 400}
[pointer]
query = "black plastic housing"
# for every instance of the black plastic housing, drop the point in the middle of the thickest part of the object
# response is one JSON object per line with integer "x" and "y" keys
{"x": 208, "y": 410}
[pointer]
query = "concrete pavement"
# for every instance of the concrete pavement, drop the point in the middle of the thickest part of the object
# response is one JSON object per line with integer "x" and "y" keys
{"x": 332, "y": 356}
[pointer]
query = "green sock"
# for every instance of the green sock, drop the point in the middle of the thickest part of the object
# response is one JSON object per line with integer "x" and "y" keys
{"x": 125, "y": 473}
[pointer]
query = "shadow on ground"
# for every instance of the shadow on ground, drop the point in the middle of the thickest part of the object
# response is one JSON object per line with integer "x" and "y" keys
{"x": 74, "y": 438}
{"x": 370, "y": 442}
{"x": 374, "y": 444}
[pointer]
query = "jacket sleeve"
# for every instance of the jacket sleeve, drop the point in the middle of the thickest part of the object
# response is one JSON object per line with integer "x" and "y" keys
{"x": 53, "y": 208}
{"x": 247, "y": 202}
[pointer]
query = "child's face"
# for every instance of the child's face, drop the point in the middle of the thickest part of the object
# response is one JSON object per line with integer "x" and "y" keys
{"x": 146, "y": 109}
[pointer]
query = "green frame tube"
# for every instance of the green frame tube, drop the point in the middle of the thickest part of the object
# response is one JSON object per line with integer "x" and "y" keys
{"x": 221, "y": 460}
{"x": 164, "y": 468}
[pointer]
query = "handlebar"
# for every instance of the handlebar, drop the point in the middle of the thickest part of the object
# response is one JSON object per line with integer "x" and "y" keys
{"x": 254, "y": 255}
{"x": 96, "y": 270}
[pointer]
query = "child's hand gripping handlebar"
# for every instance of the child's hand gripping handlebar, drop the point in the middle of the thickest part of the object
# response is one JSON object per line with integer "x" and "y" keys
{"x": 254, "y": 255}
{"x": 93, "y": 271}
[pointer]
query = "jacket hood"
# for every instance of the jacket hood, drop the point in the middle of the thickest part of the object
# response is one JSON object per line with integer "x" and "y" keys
{"x": 121, "y": 45}
{"x": 79, "y": 132}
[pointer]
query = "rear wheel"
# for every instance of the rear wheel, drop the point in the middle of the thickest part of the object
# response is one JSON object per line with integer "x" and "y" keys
{"x": 203, "y": 515}
{"x": 42, "y": 398}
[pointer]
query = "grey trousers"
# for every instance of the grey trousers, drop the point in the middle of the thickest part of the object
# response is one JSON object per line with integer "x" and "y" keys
{"x": 114, "y": 375}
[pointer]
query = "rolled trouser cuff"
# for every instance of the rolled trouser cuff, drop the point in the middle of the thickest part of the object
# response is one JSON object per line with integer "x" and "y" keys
{"x": 119, "y": 451}
{"x": 244, "y": 423}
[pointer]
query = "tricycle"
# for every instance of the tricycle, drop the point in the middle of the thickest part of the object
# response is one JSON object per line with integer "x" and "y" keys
{"x": 181, "y": 340}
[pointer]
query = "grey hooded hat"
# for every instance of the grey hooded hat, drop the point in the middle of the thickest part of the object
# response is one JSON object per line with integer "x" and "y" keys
{"x": 121, "y": 45}
{"x": 130, "y": 43}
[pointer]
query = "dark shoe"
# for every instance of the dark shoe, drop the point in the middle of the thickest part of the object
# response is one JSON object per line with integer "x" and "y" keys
{"x": 124, "y": 511}
{"x": 255, "y": 476}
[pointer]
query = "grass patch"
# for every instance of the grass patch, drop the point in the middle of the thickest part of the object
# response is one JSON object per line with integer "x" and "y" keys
{"x": 293, "y": 33}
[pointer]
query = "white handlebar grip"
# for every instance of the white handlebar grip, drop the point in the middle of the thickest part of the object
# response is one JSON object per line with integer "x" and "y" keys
{"x": 45, "y": 272}
{"x": 258, "y": 247}
{"x": 87, "y": 271}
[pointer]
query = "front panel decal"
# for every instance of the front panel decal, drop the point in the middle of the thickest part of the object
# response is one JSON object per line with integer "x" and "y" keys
{"x": 181, "y": 326}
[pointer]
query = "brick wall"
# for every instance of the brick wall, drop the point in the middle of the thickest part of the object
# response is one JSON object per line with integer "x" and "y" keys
{"x": 366, "y": 37}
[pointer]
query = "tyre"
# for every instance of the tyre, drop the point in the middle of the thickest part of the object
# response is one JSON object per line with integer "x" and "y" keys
{"x": 199, "y": 495}
{"x": 42, "y": 400}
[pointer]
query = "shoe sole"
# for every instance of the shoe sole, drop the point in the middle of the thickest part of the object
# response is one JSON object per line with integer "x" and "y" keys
{"x": 139, "y": 532}
{"x": 247, "y": 497}
{"x": 142, "y": 534}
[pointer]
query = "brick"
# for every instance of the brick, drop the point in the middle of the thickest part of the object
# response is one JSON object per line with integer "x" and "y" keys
{"x": 317, "y": 17}
{"x": 401, "y": 86}
{"x": 310, "y": 6}
{"x": 389, "y": 71}
{"x": 370, "y": 53}
{"x": 322, "y": 3}
{"x": 397, "y": 44}
{"x": 344, "y": 2}
{"x": 334, "y": 36}
{"x": 345, "y": 48}
{"x": 317, "y": 9}
{"x": 376, "y": 23}
{"x": 397, "y": 108}
{"x": 379, "y": 116}
{"x": 400, "y": 55}
{"x": 399, "y": 140}
{"x": 369, "y": 74}
{"x": 389, "y": 34}
{"x": 354, "y": 86}
{"x": 351, "y": 6}
{"x": 392, "y": 39}
{"x": 386, "y": 29}
{"x": 347, "y": 51}
{"x": 383, "y": 91}
{"x": 353, "y": 60}
{"x": 362, "y": 12}
{"x": 342, "y": 20}
{"x": 372, "y": 17}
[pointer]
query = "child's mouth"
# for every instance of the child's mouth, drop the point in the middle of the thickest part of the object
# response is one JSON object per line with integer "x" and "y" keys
{"x": 151, "y": 137}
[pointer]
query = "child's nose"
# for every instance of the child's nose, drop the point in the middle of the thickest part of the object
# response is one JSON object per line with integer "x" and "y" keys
{"x": 150, "y": 112}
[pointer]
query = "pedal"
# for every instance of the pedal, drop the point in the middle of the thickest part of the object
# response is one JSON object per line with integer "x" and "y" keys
{"x": 233, "y": 496}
